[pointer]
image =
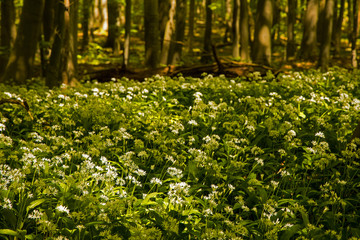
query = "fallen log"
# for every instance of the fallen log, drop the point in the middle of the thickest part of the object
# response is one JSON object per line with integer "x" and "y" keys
{"x": 230, "y": 69}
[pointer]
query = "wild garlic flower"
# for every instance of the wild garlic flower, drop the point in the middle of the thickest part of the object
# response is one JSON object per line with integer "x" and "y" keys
{"x": 63, "y": 209}
{"x": 193, "y": 122}
{"x": 36, "y": 214}
{"x": 259, "y": 161}
{"x": 2, "y": 127}
{"x": 156, "y": 180}
{"x": 174, "y": 172}
{"x": 177, "y": 191}
{"x": 7, "y": 204}
{"x": 320, "y": 135}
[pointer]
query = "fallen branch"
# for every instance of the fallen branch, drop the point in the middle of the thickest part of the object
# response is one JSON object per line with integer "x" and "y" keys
{"x": 22, "y": 103}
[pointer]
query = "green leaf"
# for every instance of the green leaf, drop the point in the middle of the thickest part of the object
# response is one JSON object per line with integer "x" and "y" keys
{"x": 9, "y": 232}
{"x": 305, "y": 217}
{"x": 147, "y": 200}
{"x": 290, "y": 232}
{"x": 95, "y": 223}
{"x": 34, "y": 204}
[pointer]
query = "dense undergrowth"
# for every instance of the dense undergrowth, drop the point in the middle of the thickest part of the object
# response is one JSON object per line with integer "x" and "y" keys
{"x": 183, "y": 158}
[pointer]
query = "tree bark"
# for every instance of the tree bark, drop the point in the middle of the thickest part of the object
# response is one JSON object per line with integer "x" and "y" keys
{"x": 63, "y": 60}
{"x": 152, "y": 43}
{"x": 127, "y": 34}
{"x": 244, "y": 31}
{"x": 8, "y": 32}
{"x": 326, "y": 32}
{"x": 291, "y": 20}
{"x": 48, "y": 33}
{"x": 113, "y": 39}
{"x": 236, "y": 29}
{"x": 337, "y": 28}
{"x": 354, "y": 34}
{"x": 164, "y": 8}
{"x": 21, "y": 58}
{"x": 53, "y": 78}
{"x": 262, "y": 38}
{"x": 180, "y": 18}
{"x": 309, "y": 41}
{"x": 191, "y": 24}
{"x": 86, "y": 7}
{"x": 169, "y": 30}
{"x": 206, "y": 56}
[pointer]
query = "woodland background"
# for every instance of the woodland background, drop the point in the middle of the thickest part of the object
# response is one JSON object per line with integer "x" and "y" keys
{"x": 117, "y": 34}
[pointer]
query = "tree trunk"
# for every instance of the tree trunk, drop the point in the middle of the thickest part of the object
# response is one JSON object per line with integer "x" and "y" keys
{"x": 244, "y": 31}
{"x": 63, "y": 60}
{"x": 99, "y": 15}
{"x": 262, "y": 38}
{"x": 206, "y": 57}
{"x": 169, "y": 30}
{"x": 180, "y": 18}
{"x": 309, "y": 41}
{"x": 236, "y": 29}
{"x": 53, "y": 77}
{"x": 152, "y": 43}
{"x": 337, "y": 28}
{"x": 291, "y": 46}
{"x": 355, "y": 30}
{"x": 127, "y": 34}
{"x": 21, "y": 58}
{"x": 8, "y": 32}
{"x": 326, "y": 32}
{"x": 164, "y": 9}
{"x": 86, "y": 7}
{"x": 191, "y": 24}
{"x": 48, "y": 33}
{"x": 227, "y": 20}
{"x": 113, "y": 39}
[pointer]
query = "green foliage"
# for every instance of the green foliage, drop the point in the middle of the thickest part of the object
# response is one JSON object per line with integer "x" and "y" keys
{"x": 183, "y": 158}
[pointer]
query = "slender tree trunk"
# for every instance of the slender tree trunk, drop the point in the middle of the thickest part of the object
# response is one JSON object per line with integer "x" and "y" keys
{"x": 63, "y": 60}
{"x": 8, "y": 32}
{"x": 227, "y": 19}
{"x": 180, "y": 18}
{"x": 152, "y": 43}
{"x": 206, "y": 57}
{"x": 321, "y": 19}
{"x": 354, "y": 34}
{"x": 309, "y": 41}
{"x": 244, "y": 31}
{"x": 21, "y": 58}
{"x": 337, "y": 28}
{"x": 262, "y": 38}
{"x": 164, "y": 9}
{"x": 113, "y": 39}
{"x": 191, "y": 24}
{"x": 86, "y": 7}
{"x": 127, "y": 34}
{"x": 169, "y": 30}
{"x": 236, "y": 29}
{"x": 48, "y": 33}
{"x": 291, "y": 46}
{"x": 53, "y": 77}
{"x": 326, "y": 33}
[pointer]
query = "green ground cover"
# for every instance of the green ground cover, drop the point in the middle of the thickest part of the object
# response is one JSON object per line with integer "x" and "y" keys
{"x": 183, "y": 158}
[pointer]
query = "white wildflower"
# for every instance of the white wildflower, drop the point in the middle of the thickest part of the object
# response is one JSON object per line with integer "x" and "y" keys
{"x": 156, "y": 180}
{"x": 320, "y": 134}
{"x": 63, "y": 209}
{"x": 193, "y": 122}
{"x": 174, "y": 172}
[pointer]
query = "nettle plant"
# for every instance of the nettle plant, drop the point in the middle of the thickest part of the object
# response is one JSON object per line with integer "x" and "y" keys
{"x": 183, "y": 158}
